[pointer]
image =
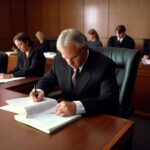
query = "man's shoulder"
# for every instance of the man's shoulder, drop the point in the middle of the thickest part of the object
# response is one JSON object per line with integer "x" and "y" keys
{"x": 100, "y": 62}
{"x": 112, "y": 37}
{"x": 58, "y": 59}
{"x": 129, "y": 37}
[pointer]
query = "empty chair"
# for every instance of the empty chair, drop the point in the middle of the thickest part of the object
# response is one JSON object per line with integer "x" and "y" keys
{"x": 127, "y": 65}
{"x": 52, "y": 45}
{"x": 146, "y": 47}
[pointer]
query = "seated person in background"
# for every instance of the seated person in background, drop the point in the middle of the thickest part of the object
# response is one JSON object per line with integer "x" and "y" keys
{"x": 30, "y": 61}
{"x": 14, "y": 49}
{"x": 146, "y": 49}
{"x": 121, "y": 39}
{"x": 94, "y": 40}
{"x": 145, "y": 57}
{"x": 88, "y": 86}
{"x": 46, "y": 45}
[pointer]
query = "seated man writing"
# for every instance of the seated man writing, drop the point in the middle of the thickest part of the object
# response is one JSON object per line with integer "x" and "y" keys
{"x": 86, "y": 78}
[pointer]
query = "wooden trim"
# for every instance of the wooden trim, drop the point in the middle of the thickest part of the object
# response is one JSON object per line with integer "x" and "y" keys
{"x": 123, "y": 134}
{"x": 141, "y": 115}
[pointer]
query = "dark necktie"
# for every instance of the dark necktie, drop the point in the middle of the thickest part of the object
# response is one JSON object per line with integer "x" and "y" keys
{"x": 75, "y": 76}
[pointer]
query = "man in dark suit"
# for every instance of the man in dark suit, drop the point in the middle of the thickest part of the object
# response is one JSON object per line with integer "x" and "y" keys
{"x": 45, "y": 44}
{"x": 95, "y": 90}
{"x": 121, "y": 39}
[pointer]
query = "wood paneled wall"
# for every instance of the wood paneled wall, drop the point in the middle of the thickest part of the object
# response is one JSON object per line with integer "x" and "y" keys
{"x": 52, "y": 16}
{"x": 12, "y": 20}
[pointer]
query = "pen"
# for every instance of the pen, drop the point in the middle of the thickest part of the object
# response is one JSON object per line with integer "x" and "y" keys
{"x": 36, "y": 92}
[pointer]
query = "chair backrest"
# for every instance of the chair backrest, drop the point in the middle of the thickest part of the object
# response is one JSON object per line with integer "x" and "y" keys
{"x": 146, "y": 46}
{"x": 127, "y": 61}
{"x": 52, "y": 44}
{"x": 3, "y": 62}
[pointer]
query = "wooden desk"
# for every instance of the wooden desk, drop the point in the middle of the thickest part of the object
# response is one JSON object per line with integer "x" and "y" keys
{"x": 48, "y": 64}
{"x": 91, "y": 133}
{"x": 141, "y": 94}
{"x": 12, "y": 59}
{"x": 23, "y": 85}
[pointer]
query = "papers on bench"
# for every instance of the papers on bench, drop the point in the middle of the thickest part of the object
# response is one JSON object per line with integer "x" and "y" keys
{"x": 40, "y": 115}
{"x": 11, "y": 53}
{"x": 10, "y": 79}
{"x": 49, "y": 55}
{"x": 146, "y": 62}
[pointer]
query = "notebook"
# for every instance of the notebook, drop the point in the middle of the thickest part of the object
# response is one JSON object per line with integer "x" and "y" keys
{"x": 39, "y": 115}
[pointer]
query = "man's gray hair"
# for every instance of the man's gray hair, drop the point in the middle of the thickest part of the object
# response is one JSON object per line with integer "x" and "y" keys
{"x": 71, "y": 36}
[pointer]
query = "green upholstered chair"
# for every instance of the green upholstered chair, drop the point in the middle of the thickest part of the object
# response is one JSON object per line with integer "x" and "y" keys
{"x": 127, "y": 61}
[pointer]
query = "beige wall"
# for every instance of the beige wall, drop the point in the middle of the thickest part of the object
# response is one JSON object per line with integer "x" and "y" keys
{"x": 52, "y": 16}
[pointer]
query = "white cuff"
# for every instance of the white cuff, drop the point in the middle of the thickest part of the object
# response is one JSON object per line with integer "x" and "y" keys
{"x": 80, "y": 107}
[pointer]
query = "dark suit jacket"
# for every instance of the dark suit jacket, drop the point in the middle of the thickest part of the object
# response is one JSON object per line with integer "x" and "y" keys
{"x": 127, "y": 42}
{"x": 48, "y": 45}
{"x": 34, "y": 65}
{"x": 3, "y": 62}
{"x": 96, "y": 85}
{"x": 97, "y": 43}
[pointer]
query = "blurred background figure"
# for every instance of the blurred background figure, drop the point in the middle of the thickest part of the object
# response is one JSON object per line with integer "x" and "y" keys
{"x": 30, "y": 60}
{"x": 14, "y": 49}
{"x": 40, "y": 36}
{"x": 146, "y": 49}
{"x": 45, "y": 44}
{"x": 121, "y": 39}
{"x": 93, "y": 39}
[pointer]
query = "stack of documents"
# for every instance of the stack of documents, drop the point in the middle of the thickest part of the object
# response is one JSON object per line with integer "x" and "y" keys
{"x": 40, "y": 115}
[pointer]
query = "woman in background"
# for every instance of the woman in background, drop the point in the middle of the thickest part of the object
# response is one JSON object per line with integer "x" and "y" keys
{"x": 94, "y": 40}
{"x": 30, "y": 61}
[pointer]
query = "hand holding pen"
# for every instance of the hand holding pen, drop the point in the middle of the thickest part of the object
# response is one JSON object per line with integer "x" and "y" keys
{"x": 36, "y": 92}
{"x": 36, "y": 95}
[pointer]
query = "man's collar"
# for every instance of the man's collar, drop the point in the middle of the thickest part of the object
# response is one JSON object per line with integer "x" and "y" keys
{"x": 81, "y": 67}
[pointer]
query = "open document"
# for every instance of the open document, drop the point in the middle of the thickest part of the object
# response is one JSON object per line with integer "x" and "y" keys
{"x": 10, "y": 79}
{"x": 40, "y": 115}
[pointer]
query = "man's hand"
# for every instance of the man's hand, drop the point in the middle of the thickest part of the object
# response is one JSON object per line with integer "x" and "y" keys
{"x": 37, "y": 96}
{"x": 66, "y": 108}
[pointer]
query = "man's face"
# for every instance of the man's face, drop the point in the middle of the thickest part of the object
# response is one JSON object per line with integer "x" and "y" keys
{"x": 120, "y": 35}
{"x": 73, "y": 56}
{"x": 91, "y": 37}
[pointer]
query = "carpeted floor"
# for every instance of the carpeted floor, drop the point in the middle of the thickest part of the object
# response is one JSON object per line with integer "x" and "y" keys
{"x": 141, "y": 138}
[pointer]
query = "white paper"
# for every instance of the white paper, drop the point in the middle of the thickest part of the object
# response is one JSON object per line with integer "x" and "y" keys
{"x": 31, "y": 108}
{"x": 40, "y": 115}
{"x": 11, "y": 53}
{"x": 9, "y": 108}
{"x": 49, "y": 54}
{"x": 47, "y": 123}
{"x": 10, "y": 79}
{"x": 146, "y": 62}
